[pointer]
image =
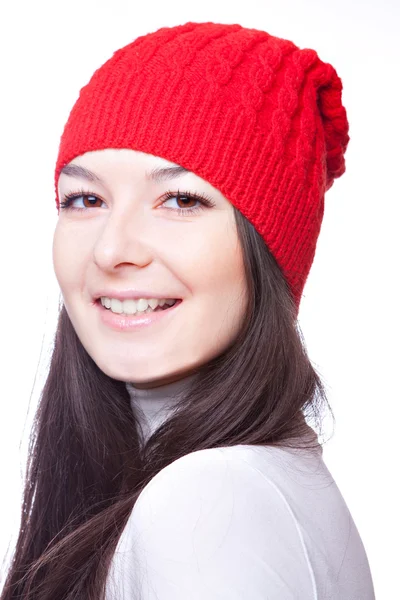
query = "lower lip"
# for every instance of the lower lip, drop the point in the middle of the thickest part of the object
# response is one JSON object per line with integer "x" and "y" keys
{"x": 122, "y": 322}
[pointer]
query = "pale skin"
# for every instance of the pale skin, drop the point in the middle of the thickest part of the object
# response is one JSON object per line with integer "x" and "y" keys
{"x": 133, "y": 236}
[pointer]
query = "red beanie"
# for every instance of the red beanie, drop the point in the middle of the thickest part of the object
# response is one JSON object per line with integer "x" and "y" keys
{"x": 252, "y": 114}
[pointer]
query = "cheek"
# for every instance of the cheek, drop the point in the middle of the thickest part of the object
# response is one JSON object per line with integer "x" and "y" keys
{"x": 217, "y": 264}
{"x": 214, "y": 273}
{"x": 68, "y": 257}
{"x": 227, "y": 292}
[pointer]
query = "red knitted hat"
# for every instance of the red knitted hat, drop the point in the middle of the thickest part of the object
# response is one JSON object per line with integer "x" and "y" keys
{"x": 252, "y": 114}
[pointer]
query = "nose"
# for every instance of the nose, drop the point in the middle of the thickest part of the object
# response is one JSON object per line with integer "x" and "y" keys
{"x": 125, "y": 238}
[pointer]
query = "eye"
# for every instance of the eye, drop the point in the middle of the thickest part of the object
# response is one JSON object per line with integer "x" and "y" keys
{"x": 68, "y": 199}
{"x": 185, "y": 198}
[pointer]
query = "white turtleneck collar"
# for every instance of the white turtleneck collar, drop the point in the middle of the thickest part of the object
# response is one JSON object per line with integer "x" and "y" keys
{"x": 153, "y": 405}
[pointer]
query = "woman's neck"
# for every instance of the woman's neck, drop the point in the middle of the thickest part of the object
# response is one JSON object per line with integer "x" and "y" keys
{"x": 153, "y": 405}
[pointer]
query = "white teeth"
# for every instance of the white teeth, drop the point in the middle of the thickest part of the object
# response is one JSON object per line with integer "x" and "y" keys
{"x": 141, "y": 305}
{"x": 116, "y": 305}
{"x": 153, "y": 303}
{"x": 131, "y": 307}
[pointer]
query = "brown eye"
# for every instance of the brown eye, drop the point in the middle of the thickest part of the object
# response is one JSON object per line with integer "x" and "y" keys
{"x": 89, "y": 200}
{"x": 187, "y": 203}
{"x": 186, "y": 200}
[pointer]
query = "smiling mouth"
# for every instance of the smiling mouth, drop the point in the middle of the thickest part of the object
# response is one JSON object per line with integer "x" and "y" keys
{"x": 138, "y": 313}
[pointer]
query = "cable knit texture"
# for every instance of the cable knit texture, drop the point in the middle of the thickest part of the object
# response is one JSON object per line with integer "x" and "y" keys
{"x": 251, "y": 113}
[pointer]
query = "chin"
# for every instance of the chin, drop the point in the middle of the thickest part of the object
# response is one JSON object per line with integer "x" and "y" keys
{"x": 136, "y": 372}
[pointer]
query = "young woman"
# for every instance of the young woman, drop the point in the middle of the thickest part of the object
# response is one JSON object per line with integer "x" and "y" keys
{"x": 171, "y": 458}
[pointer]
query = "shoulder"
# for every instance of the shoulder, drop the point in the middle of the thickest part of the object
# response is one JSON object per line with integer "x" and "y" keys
{"x": 224, "y": 473}
{"x": 213, "y": 499}
{"x": 214, "y": 475}
{"x": 211, "y": 520}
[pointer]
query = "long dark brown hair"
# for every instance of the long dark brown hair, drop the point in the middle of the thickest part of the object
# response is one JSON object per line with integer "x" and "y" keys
{"x": 87, "y": 467}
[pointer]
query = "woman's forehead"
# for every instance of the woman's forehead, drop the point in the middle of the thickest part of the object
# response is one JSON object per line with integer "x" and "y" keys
{"x": 123, "y": 155}
{"x": 109, "y": 163}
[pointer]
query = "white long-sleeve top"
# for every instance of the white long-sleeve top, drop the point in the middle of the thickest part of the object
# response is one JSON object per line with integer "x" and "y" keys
{"x": 237, "y": 523}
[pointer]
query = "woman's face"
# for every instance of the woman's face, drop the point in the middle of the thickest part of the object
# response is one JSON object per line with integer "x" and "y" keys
{"x": 128, "y": 237}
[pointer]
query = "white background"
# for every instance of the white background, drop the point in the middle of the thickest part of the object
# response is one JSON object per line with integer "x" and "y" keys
{"x": 350, "y": 310}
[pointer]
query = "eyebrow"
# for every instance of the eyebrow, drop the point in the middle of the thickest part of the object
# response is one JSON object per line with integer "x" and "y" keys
{"x": 158, "y": 174}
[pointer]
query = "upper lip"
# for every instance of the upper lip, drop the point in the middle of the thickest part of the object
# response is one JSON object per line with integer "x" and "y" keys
{"x": 131, "y": 293}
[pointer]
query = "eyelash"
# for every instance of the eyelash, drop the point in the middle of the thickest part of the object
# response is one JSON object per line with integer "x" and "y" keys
{"x": 204, "y": 199}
